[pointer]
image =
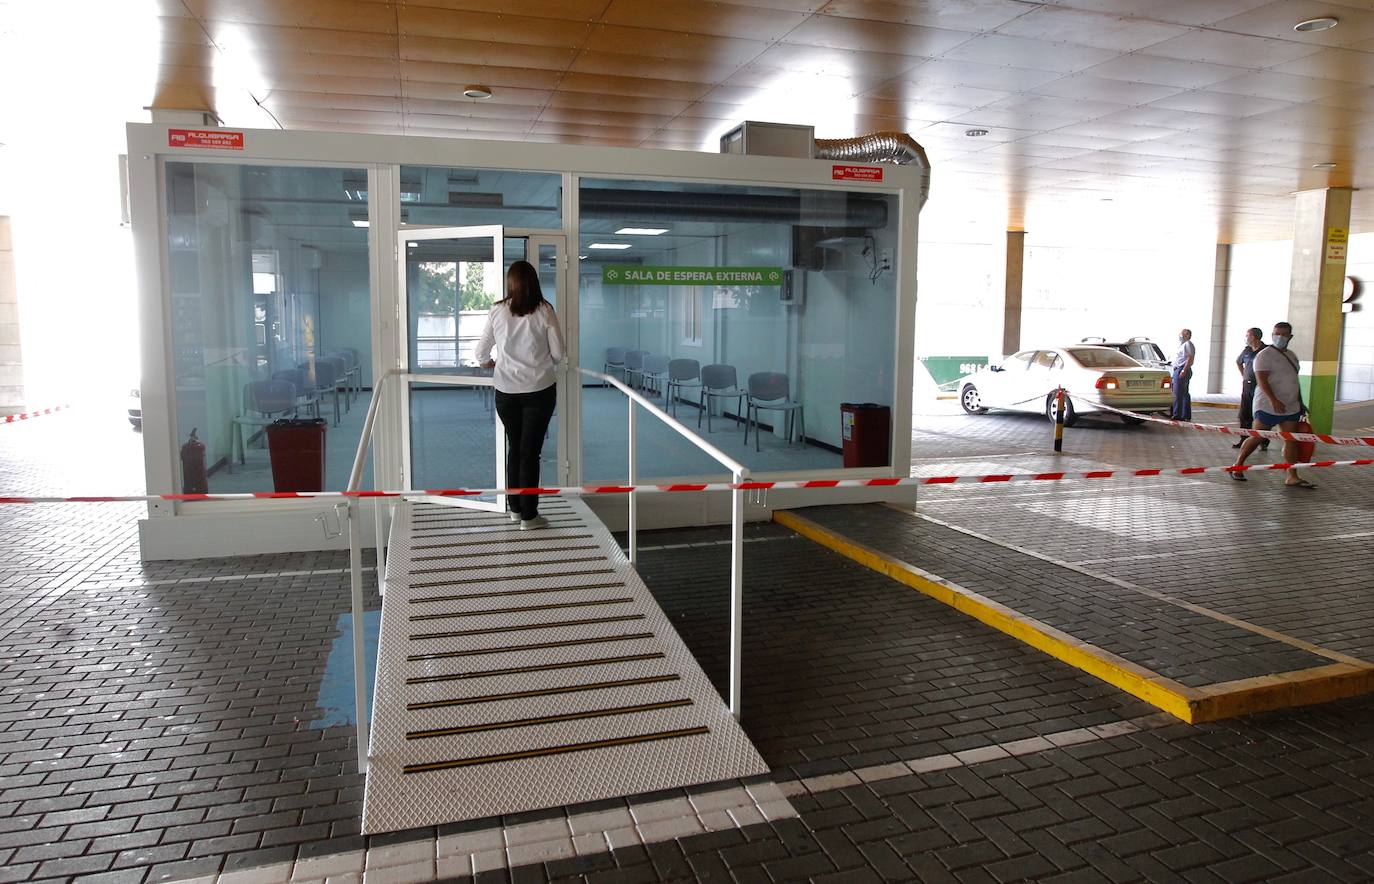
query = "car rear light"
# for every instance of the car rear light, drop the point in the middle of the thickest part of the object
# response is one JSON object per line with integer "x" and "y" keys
{"x": 1166, "y": 383}
{"x": 1107, "y": 382}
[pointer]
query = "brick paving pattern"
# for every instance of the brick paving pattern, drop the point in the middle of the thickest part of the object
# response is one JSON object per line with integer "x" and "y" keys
{"x": 154, "y": 722}
{"x": 1188, "y": 647}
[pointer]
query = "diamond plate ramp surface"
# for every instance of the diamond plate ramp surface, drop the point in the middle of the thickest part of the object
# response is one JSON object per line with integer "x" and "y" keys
{"x": 525, "y": 670}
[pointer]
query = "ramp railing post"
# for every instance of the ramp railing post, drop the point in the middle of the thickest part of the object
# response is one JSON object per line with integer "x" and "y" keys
{"x": 634, "y": 502}
{"x": 736, "y": 593}
{"x": 355, "y": 562}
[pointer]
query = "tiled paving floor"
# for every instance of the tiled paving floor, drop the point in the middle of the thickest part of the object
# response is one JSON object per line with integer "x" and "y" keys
{"x": 172, "y": 733}
{"x": 1292, "y": 560}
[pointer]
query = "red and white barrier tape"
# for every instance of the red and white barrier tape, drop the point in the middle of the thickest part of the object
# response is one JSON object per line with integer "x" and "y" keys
{"x": 30, "y": 415}
{"x": 588, "y": 490}
{"x": 1237, "y": 431}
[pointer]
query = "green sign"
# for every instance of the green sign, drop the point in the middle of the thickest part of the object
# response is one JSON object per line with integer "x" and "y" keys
{"x": 945, "y": 370}
{"x": 635, "y": 274}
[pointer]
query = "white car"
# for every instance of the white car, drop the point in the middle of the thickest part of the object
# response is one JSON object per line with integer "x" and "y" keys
{"x": 1093, "y": 376}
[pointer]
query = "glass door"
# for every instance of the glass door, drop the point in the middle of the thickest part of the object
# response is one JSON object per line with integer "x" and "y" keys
{"x": 450, "y": 278}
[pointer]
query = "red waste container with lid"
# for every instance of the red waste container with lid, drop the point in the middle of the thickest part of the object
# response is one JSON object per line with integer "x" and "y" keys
{"x": 865, "y": 428}
{"x": 296, "y": 448}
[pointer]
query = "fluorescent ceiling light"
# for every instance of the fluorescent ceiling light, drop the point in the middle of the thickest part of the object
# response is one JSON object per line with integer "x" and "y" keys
{"x": 609, "y": 245}
{"x": 357, "y": 223}
{"x": 642, "y": 231}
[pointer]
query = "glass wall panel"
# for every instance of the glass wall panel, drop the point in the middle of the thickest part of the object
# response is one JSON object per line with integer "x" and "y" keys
{"x": 435, "y": 196}
{"x": 271, "y": 311}
{"x": 761, "y": 281}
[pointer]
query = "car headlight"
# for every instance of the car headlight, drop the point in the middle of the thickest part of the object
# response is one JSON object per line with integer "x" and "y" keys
{"x": 134, "y": 394}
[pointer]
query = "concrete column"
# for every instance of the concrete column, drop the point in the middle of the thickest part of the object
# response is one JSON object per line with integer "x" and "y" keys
{"x": 1011, "y": 310}
{"x": 11, "y": 361}
{"x": 1321, "y": 226}
{"x": 1219, "y": 358}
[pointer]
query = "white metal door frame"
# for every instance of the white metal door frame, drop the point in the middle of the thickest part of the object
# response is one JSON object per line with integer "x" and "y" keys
{"x": 565, "y": 307}
{"x": 400, "y": 429}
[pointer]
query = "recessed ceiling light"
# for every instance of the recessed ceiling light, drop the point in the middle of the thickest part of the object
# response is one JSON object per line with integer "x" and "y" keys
{"x": 975, "y": 133}
{"x": 609, "y": 245}
{"x": 1325, "y": 23}
{"x": 1325, "y": 167}
{"x": 642, "y": 231}
{"x": 357, "y": 223}
{"x": 477, "y": 91}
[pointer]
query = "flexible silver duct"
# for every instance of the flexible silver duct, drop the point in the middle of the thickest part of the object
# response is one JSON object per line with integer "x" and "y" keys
{"x": 878, "y": 147}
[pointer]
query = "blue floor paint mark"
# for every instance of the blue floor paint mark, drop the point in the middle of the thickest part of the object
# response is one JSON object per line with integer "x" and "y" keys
{"x": 336, "y": 690}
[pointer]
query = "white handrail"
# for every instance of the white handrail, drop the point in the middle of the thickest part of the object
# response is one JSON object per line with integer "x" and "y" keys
{"x": 683, "y": 430}
{"x": 740, "y": 472}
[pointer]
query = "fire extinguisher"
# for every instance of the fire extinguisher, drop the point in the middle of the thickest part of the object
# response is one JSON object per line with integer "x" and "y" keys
{"x": 193, "y": 478}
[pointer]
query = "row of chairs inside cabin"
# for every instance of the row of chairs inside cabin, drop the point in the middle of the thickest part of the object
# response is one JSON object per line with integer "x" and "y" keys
{"x": 291, "y": 391}
{"x": 663, "y": 376}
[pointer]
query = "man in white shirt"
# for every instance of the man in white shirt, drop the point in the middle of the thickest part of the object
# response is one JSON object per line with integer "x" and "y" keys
{"x": 1183, "y": 376}
{"x": 1278, "y": 401}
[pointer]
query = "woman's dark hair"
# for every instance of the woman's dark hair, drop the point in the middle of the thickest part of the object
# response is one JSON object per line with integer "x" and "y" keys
{"x": 522, "y": 289}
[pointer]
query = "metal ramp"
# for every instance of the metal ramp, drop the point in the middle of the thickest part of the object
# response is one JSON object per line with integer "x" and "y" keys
{"x": 525, "y": 670}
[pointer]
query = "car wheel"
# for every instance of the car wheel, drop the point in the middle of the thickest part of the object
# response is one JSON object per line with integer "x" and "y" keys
{"x": 971, "y": 401}
{"x": 1070, "y": 416}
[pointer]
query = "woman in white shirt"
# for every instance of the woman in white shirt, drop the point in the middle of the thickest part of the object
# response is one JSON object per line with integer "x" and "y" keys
{"x": 524, "y": 331}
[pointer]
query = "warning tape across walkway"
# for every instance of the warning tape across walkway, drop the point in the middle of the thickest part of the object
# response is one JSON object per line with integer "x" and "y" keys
{"x": 30, "y": 415}
{"x": 590, "y": 490}
{"x": 1237, "y": 431}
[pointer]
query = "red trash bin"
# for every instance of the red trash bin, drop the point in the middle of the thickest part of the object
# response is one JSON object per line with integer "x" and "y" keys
{"x": 865, "y": 428}
{"x": 296, "y": 448}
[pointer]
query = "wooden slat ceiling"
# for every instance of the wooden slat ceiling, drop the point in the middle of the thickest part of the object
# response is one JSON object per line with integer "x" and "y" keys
{"x": 1217, "y": 107}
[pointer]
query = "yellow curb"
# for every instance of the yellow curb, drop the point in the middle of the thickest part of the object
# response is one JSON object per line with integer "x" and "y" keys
{"x": 1303, "y": 687}
{"x": 1192, "y": 705}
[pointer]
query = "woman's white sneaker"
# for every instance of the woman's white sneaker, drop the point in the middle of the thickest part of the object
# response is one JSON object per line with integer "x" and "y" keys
{"x": 531, "y": 524}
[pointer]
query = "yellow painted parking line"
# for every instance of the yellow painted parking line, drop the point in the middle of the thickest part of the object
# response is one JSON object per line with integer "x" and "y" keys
{"x": 1192, "y": 705}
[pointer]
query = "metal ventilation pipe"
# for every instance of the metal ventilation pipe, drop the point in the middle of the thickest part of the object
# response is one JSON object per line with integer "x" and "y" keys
{"x": 879, "y": 147}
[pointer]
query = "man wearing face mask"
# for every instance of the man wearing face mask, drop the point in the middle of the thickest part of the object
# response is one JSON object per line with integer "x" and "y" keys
{"x": 1183, "y": 375}
{"x": 1278, "y": 401}
{"x": 1254, "y": 342}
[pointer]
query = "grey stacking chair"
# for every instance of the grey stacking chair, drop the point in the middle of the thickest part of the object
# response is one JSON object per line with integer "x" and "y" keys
{"x": 353, "y": 372}
{"x": 769, "y": 391}
{"x": 655, "y": 373}
{"x": 263, "y": 403}
{"x": 634, "y": 367}
{"x": 719, "y": 382}
{"x": 683, "y": 374}
{"x": 306, "y": 396}
{"x": 615, "y": 361}
{"x": 326, "y": 380}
